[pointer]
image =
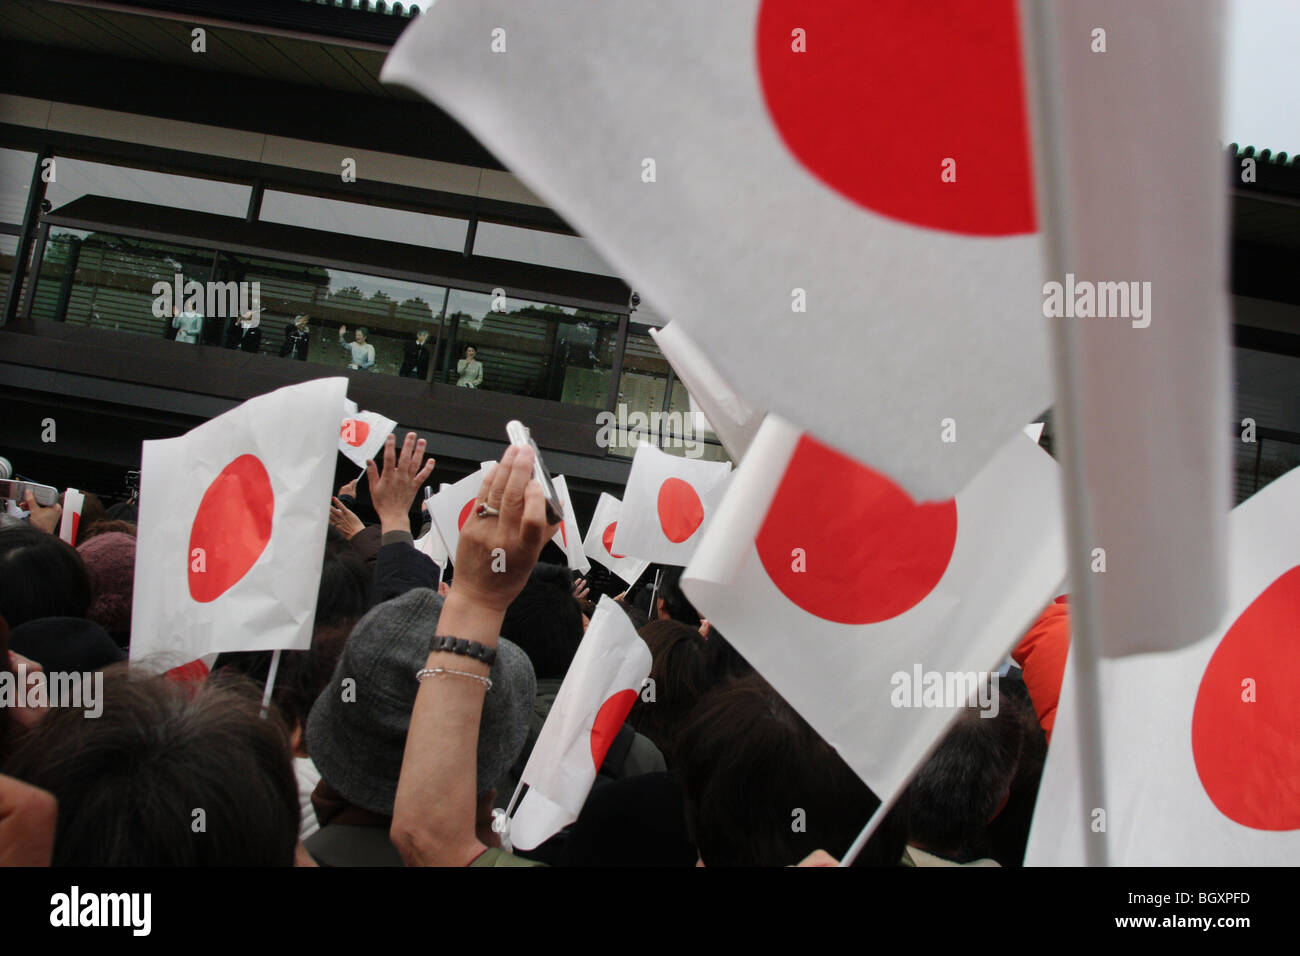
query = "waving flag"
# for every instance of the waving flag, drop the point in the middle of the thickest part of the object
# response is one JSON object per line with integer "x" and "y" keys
{"x": 70, "y": 522}
{"x": 600, "y": 539}
{"x": 232, "y": 527}
{"x": 599, "y": 689}
{"x": 1202, "y": 744}
{"x": 569, "y": 537}
{"x": 667, "y": 505}
{"x": 730, "y": 416}
{"x": 453, "y": 505}
{"x": 362, "y": 434}
{"x": 832, "y": 582}
{"x": 834, "y": 199}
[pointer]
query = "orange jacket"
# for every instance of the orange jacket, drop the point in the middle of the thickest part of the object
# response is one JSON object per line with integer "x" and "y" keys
{"x": 1041, "y": 655}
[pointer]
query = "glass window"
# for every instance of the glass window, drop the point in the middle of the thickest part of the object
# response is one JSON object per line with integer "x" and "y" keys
{"x": 15, "y": 180}
{"x": 74, "y": 178}
{"x": 1268, "y": 393}
{"x": 8, "y": 248}
{"x": 539, "y": 247}
{"x": 359, "y": 219}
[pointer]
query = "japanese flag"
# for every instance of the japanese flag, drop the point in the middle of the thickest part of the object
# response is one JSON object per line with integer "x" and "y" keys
{"x": 667, "y": 504}
{"x": 728, "y": 415}
{"x": 70, "y": 523}
{"x": 599, "y": 689}
{"x": 569, "y": 537}
{"x": 362, "y": 434}
{"x": 843, "y": 592}
{"x": 834, "y": 199}
{"x": 1202, "y": 744}
{"x": 453, "y": 505}
{"x": 232, "y": 527}
{"x": 600, "y": 538}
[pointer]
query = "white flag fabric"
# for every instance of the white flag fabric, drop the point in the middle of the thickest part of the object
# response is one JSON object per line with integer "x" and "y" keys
{"x": 1200, "y": 744}
{"x": 569, "y": 537}
{"x": 233, "y": 516}
{"x": 845, "y": 594}
{"x": 362, "y": 434}
{"x": 667, "y": 505}
{"x": 70, "y": 522}
{"x": 600, "y": 539}
{"x": 730, "y": 416}
{"x": 599, "y": 689}
{"x": 453, "y": 505}
{"x": 840, "y": 231}
{"x": 1145, "y": 287}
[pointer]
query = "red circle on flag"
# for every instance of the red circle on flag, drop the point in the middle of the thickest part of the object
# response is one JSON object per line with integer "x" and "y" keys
{"x": 1246, "y": 736}
{"x": 680, "y": 510}
{"x": 354, "y": 432}
{"x": 231, "y": 528}
{"x": 607, "y": 539}
{"x": 564, "y": 536}
{"x": 885, "y": 94}
{"x": 464, "y": 513}
{"x": 846, "y": 544}
{"x": 609, "y": 719}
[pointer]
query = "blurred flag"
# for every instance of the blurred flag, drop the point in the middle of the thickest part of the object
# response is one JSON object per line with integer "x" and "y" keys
{"x": 569, "y": 537}
{"x": 600, "y": 539}
{"x": 1142, "y": 293}
{"x": 844, "y": 224}
{"x": 1202, "y": 744}
{"x": 453, "y": 505}
{"x": 846, "y": 595}
{"x": 667, "y": 504}
{"x": 599, "y": 689}
{"x": 729, "y": 416}
{"x": 70, "y": 522}
{"x": 232, "y": 527}
{"x": 362, "y": 434}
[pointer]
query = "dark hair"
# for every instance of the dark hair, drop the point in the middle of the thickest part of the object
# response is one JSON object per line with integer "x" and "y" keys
{"x": 105, "y": 526}
{"x": 634, "y": 614}
{"x": 1008, "y": 835}
{"x": 680, "y": 672}
{"x": 92, "y": 510}
{"x": 960, "y": 788}
{"x": 725, "y": 661}
{"x": 764, "y": 789}
{"x": 344, "y": 594}
{"x": 41, "y": 575}
{"x": 676, "y": 604}
{"x": 123, "y": 511}
{"x": 365, "y": 332}
{"x": 545, "y": 621}
{"x": 130, "y": 782}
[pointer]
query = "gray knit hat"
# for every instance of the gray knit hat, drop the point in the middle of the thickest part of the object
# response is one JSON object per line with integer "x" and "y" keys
{"x": 356, "y": 735}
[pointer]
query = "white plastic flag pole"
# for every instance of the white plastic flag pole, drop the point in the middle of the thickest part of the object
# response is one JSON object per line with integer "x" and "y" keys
{"x": 270, "y": 681}
{"x": 1039, "y": 32}
{"x": 654, "y": 592}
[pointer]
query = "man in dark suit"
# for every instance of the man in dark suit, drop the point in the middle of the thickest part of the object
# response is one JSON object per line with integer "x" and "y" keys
{"x": 415, "y": 364}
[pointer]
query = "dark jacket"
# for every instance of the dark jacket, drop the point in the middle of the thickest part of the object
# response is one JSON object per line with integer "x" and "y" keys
{"x": 295, "y": 344}
{"x": 246, "y": 340}
{"x": 415, "y": 364}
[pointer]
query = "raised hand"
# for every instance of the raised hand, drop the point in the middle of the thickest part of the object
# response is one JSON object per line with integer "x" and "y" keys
{"x": 392, "y": 492}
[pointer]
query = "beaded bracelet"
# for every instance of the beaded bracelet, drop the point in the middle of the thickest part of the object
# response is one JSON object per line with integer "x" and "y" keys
{"x": 424, "y": 672}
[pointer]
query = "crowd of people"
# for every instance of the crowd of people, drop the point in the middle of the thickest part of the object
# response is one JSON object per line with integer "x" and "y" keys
{"x": 382, "y": 749}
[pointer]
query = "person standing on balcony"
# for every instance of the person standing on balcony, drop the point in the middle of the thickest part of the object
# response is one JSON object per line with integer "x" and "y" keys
{"x": 363, "y": 355}
{"x": 469, "y": 371}
{"x": 188, "y": 324}
{"x": 415, "y": 364}
{"x": 297, "y": 336}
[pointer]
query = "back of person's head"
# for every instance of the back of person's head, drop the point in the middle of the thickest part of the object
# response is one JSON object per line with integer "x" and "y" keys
{"x": 92, "y": 509}
{"x": 110, "y": 562}
{"x": 680, "y": 672}
{"x": 123, "y": 511}
{"x": 764, "y": 789}
{"x": 104, "y": 526}
{"x": 725, "y": 662}
{"x": 676, "y": 605}
{"x": 344, "y": 594}
{"x": 965, "y": 783}
{"x": 545, "y": 620}
{"x": 168, "y": 775}
{"x": 41, "y": 575}
{"x": 1008, "y": 835}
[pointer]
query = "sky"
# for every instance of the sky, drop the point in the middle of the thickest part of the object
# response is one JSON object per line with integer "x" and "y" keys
{"x": 1262, "y": 105}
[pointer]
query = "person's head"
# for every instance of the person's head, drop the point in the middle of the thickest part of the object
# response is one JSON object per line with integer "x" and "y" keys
{"x": 123, "y": 511}
{"x": 104, "y": 526}
{"x": 92, "y": 510}
{"x": 671, "y": 602}
{"x": 421, "y": 337}
{"x": 470, "y": 352}
{"x": 965, "y": 783}
{"x": 361, "y": 335}
{"x": 356, "y": 732}
{"x": 110, "y": 562}
{"x": 168, "y": 775}
{"x": 545, "y": 620}
{"x": 41, "y": 575}
{"x": 680, "y": 672}
{"x": 764, "y": 789}
{"x": 301, "y": 321}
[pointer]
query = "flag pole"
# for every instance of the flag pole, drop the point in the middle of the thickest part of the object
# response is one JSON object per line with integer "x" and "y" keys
{"x": 1039, "y": 32}
{"x": 270, "y": 681}
{"x": 654, "y": 591}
